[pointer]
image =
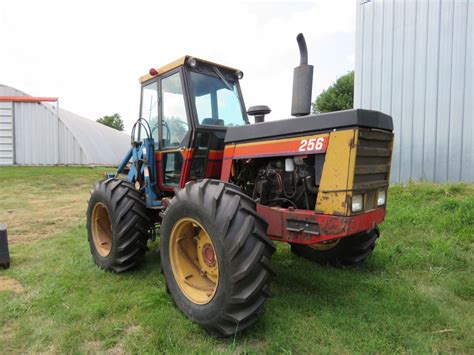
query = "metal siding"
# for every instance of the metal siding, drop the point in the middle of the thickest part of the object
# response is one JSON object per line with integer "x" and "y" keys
{"x": 467, "y": 167}
{"x": 431, "y": 78}
{"x": 70, "y": 152}
{"x": 387, "y": 54}
{"x": 419, "y": 99}
{"x": 377, "y": 58}
{"x": 457, "y": 86}
{"x": 414, "y": 61}
{"x": 99, "y": 144}
{"x": 444, "y": 91}
{"x": 6, "y": 133}
{"x": 408, "y": 90}
{"x": 367, "y": 43}
{"x": 36, "y": 135}
{"x": 47, "y": 136}
{"x": 397, "y": 83}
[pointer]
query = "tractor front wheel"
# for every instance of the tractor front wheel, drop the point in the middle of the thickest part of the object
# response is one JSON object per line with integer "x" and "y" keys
{"x": 117, "y": 225}
{"x": 351, "y": 250}
{"x": 216, "y": 257}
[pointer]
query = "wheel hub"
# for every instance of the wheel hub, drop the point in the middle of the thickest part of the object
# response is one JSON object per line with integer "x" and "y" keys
{"x": 101, "y": 229}
{"x": 209, "y": 255}
{"x": 193, "y": 261}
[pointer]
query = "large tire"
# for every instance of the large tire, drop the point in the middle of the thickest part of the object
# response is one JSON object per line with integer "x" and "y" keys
{"x": 348, "y": 251}
{"x": 241, "y": 252}
{"x": 117, "y": 225}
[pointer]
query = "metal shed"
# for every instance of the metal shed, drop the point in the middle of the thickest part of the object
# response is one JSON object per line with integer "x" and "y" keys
{"x": 414, "y": 60}
{"x": 35, "y": 133}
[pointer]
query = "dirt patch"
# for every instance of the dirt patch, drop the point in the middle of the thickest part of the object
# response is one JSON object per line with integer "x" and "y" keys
{"x": 6, "y": 333}
{"x": 132, "y": 329}
{"x": 44, "y": 216}
{"x": 118, "y": 349}
{"x": 93, "y": 347}
{"x": 41, "y": 202}
{"x": 9, "y": 284}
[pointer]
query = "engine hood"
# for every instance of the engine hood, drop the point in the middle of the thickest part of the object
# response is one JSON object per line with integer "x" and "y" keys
{"x": 310, "y": 124}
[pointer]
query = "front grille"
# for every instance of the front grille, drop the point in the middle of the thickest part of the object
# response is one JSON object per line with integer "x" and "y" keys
{"x": 372, "y": 168}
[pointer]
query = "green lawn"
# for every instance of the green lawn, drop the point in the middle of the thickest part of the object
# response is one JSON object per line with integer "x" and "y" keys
{"x": 414, "y": 294}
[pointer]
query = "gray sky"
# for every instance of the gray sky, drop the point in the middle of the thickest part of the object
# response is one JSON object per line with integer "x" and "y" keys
{"x": 91, "y": 53}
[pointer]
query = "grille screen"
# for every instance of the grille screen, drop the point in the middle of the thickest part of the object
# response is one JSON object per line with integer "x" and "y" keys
{"x": 372, "y": 166}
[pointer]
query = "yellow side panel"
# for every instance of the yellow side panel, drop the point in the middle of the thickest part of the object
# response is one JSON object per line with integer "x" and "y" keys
{"x": 338, "y": 173}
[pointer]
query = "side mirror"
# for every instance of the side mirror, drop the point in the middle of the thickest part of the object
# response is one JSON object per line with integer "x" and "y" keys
{"x": 259, "y": 112}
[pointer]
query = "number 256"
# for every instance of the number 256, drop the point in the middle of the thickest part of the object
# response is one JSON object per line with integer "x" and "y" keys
{"x": 311, "y": 144}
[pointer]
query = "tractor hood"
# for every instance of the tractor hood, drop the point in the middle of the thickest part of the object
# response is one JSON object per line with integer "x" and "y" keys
{"x": 310, "y": 124}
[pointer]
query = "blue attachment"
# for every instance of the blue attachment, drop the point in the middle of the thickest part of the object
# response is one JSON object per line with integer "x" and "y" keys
{"x": 151, "y": 189}
{"x": 143, "y": 156}
{"x": 137, "y": 155}
{"x": 125, "y": 161}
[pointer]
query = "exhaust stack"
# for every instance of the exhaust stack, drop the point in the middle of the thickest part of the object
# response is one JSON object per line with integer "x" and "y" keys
{"x": 302, "y": 82}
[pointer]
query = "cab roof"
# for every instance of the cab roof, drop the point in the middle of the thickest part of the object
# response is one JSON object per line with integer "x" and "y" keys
{"x": 179, "y": 62}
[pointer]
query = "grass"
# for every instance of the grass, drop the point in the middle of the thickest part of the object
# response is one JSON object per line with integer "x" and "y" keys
{"x": 42, "y": 201}
{"x": 415, "y": 293}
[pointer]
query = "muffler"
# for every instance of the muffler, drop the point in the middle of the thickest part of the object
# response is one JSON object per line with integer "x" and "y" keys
{"x": 302, "y": 82}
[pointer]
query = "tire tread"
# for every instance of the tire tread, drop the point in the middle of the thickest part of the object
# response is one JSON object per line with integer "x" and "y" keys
{"x": 350, "y": 251}
{"x": 130, "y": 224}
{"x": 246, "y": 246}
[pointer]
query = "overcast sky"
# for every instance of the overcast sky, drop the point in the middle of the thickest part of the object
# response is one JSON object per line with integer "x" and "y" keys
{"x": 91, "y": 53}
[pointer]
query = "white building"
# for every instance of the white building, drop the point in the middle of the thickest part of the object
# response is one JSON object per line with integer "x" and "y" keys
{"x": 35, "y": 133}
{"x": 414, "y": 61}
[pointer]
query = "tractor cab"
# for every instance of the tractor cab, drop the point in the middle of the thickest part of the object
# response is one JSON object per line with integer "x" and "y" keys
{"x": 188, "y": 105}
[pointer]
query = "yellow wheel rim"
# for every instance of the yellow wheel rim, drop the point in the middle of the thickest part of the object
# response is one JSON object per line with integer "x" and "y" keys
{"x": 193, "y": 261}
{"x": 101, "y": 229}
{"x": 327, "y": 245}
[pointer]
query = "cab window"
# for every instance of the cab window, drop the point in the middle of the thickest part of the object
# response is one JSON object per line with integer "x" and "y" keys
{"x": 175, "y": 121}
{"x": 217, "y": 101}
{"x": 149, "y": 108}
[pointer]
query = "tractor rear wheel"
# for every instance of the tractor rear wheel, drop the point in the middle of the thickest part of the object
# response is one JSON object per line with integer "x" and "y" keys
{"x": 216, "y": 257}
{"x": 117, "y": 225}
{"x": 352, "y": 250}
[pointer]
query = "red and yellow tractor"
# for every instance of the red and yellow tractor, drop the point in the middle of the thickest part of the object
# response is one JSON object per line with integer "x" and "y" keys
{"x": 219, "y": 190}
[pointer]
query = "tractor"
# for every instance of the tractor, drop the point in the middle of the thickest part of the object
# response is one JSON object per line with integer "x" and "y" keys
{"x": 219, "y": 190}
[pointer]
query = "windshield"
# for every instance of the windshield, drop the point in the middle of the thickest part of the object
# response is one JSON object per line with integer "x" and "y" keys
{"x": 216, "y": 104}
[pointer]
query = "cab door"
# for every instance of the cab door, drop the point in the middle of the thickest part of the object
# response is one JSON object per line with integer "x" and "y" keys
{"x": 174, "y": 132}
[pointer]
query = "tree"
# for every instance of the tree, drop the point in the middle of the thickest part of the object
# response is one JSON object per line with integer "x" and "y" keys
{"x": 339, "y": 96}
{"x": 114, "y": 121}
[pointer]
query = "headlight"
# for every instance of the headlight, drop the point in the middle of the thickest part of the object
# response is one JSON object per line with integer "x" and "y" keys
{"x": 380, "y": 197}
{"x": 357, "y": 203}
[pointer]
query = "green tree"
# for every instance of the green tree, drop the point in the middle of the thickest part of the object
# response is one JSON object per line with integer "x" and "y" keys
{"x": 114, "y": 121}
{"x": 339, "y": 96}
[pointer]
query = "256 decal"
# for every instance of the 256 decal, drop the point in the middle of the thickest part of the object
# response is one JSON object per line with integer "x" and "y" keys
{"x": 313, "y": 144}
{"x": 305, "y": 145}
